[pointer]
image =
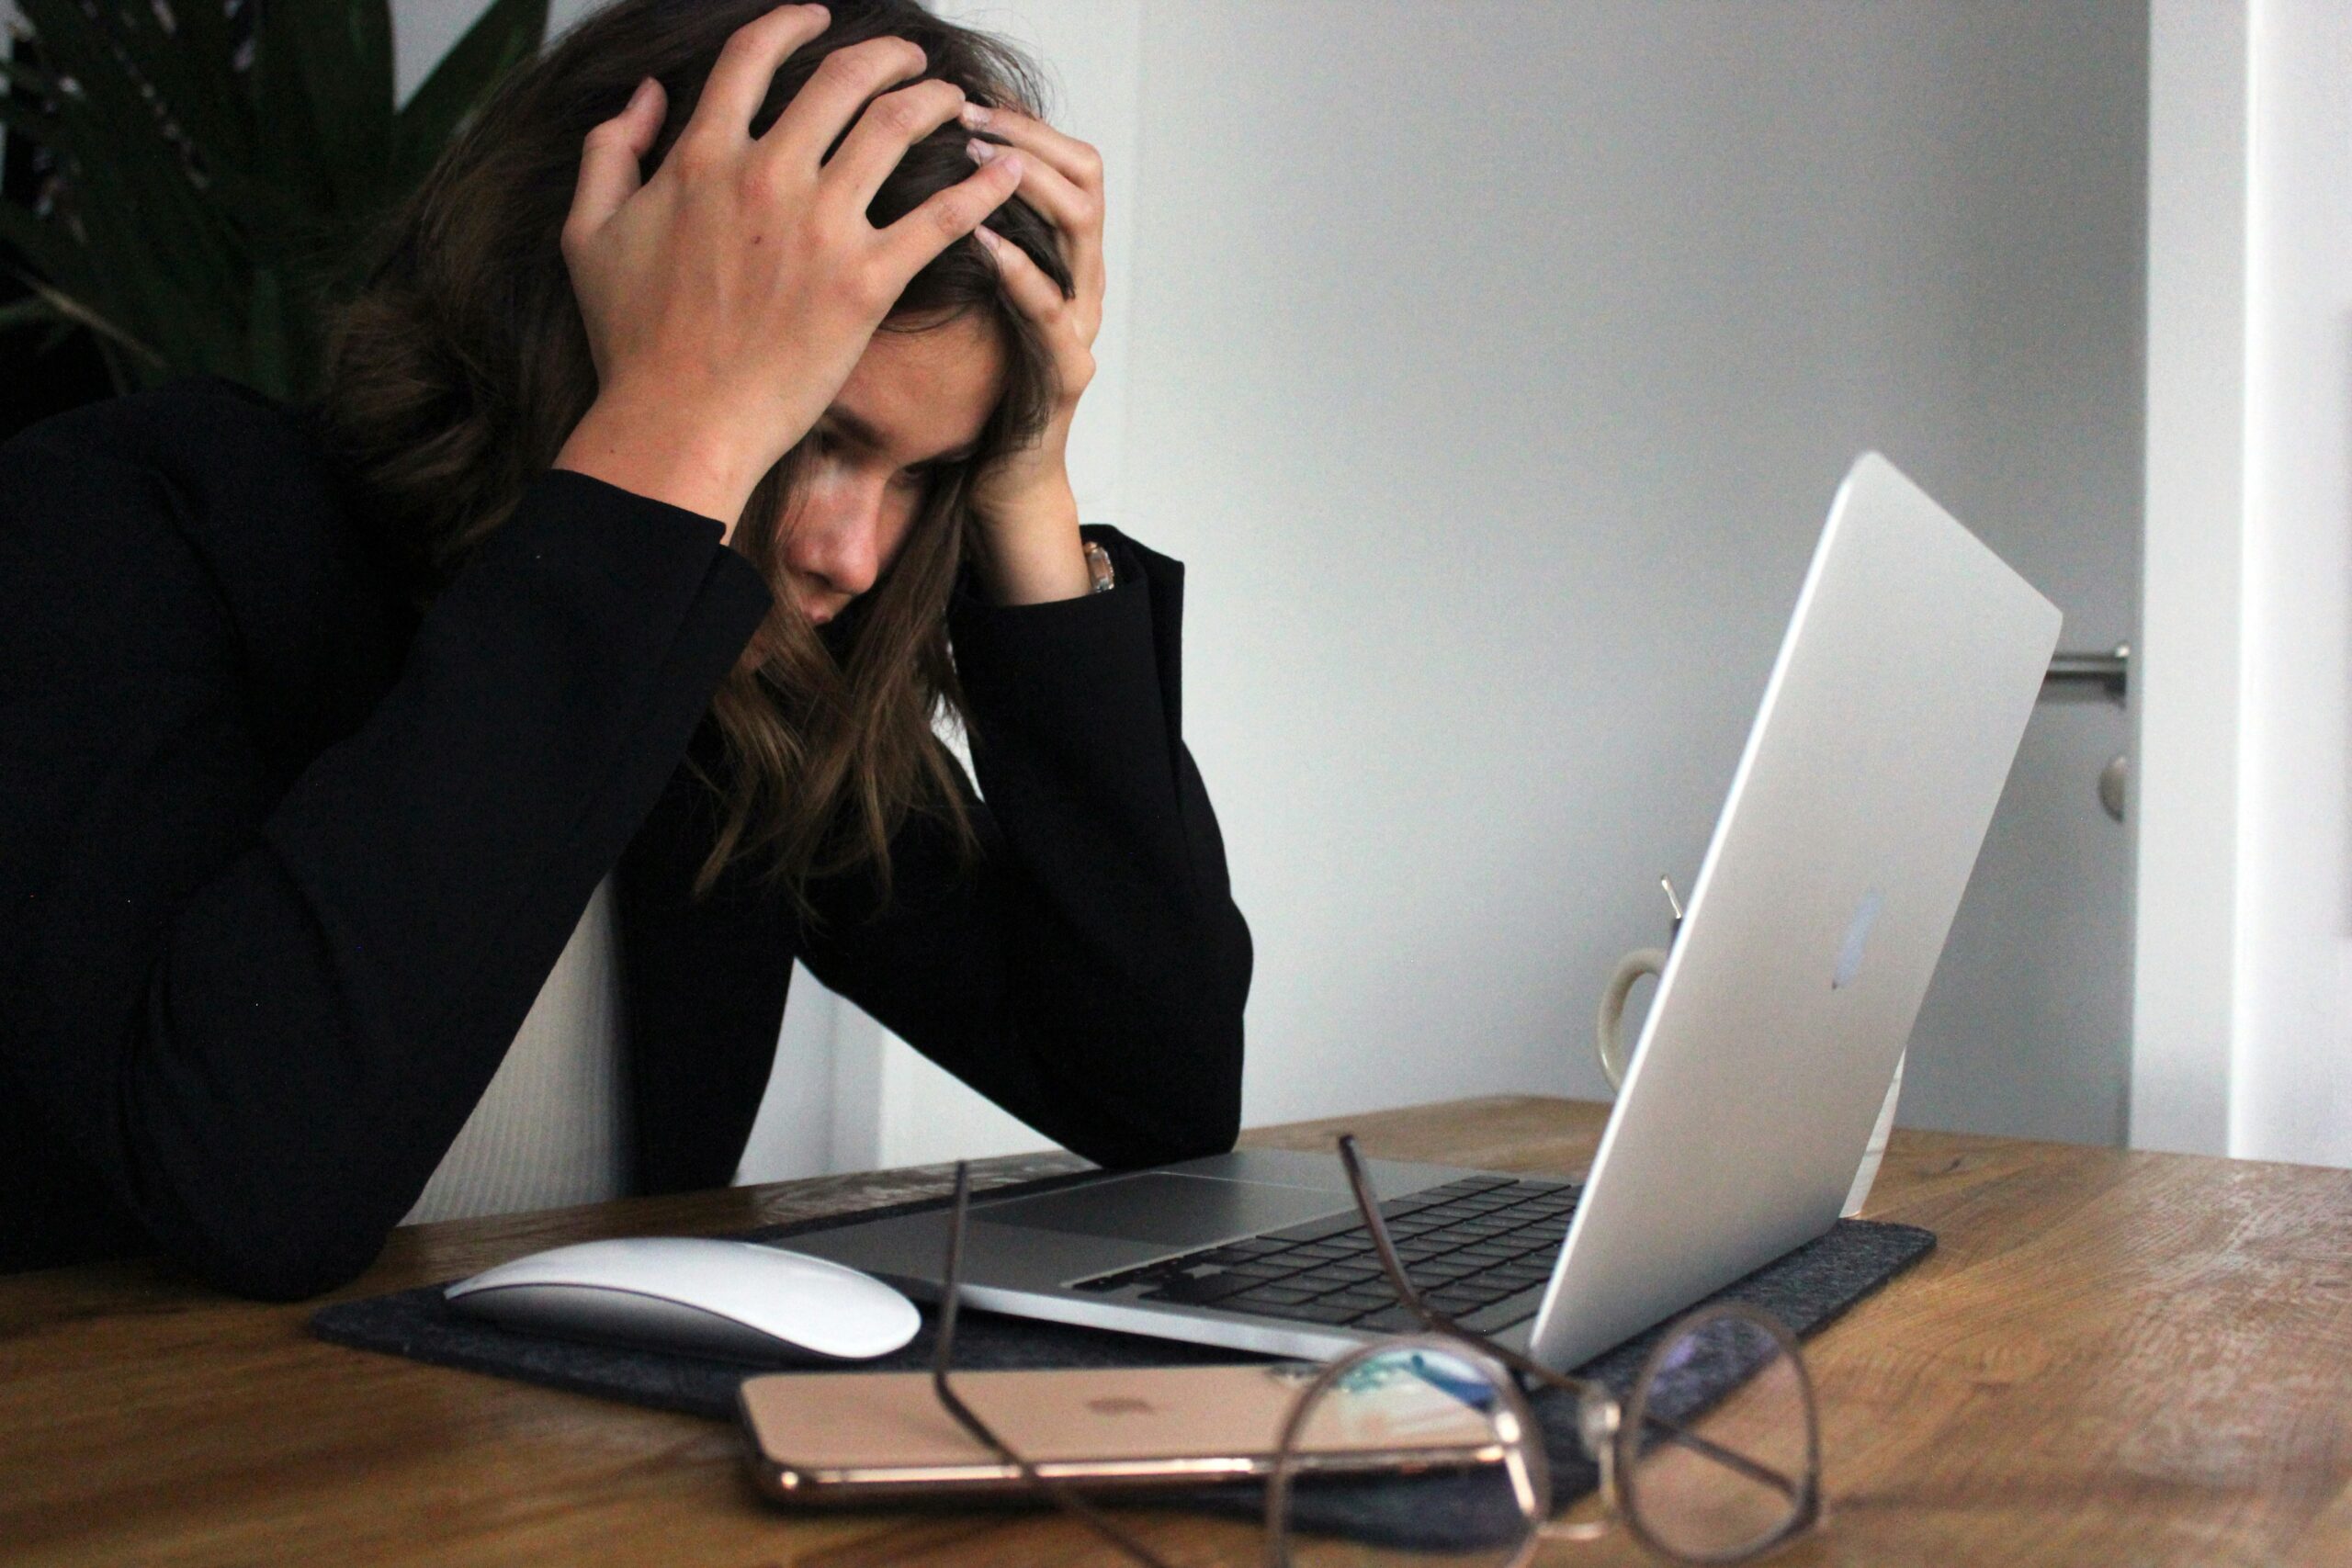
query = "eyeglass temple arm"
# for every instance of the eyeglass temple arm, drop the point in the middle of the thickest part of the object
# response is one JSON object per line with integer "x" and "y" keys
{"x": 943, "y": 1356}
{"x": 1368, "y": 1204}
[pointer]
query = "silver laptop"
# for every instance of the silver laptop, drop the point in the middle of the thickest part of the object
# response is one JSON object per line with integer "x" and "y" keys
{"x": 1886, "y": 732}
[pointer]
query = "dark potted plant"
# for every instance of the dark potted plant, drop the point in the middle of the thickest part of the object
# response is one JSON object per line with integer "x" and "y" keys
{"x": 212, "y": 170}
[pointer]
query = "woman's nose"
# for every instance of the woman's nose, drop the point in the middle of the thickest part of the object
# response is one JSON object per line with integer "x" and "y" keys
{"x": 839, "y": 540}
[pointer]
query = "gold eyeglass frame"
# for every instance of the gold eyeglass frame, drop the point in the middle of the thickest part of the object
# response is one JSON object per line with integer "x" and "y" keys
{"x": 1612, "y": 1441}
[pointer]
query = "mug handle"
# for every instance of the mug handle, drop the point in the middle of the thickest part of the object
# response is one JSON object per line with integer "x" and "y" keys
{"x": 1608, "y": 1027}
{"x": 1609, "y": 1045}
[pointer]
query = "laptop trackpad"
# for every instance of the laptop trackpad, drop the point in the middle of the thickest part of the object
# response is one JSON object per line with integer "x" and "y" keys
{"x": 1176, "y": 1211}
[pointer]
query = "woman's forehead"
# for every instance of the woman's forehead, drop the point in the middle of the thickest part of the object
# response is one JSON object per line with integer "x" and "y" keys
{"x": 917, "y": 395}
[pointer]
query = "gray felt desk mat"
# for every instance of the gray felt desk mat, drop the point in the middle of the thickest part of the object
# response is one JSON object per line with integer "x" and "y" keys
{"x": 1807, "y": 1290}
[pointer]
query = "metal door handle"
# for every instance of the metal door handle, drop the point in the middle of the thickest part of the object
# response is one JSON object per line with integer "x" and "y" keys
{"x": 2112, "y": 674}
{"x": 2111, "y": 670}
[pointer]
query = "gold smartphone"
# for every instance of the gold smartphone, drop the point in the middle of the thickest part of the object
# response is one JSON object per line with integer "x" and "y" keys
{"x": 865, "y": 1437}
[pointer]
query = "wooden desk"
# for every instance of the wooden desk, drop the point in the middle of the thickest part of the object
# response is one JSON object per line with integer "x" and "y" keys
{"x": 2114, "y": 1358}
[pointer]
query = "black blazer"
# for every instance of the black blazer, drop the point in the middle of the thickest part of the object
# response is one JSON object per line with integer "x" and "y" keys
{"x": 283, "y": 864}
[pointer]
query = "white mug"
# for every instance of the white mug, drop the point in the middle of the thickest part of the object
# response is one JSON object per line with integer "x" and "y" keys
{"x": 1609, "y": 1045}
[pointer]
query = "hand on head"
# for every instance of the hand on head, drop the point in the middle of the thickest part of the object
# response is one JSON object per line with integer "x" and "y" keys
{"x": 727, "y": 298}
{"x": 1062, "y": 178}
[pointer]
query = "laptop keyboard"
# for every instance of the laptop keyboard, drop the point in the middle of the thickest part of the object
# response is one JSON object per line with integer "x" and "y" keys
{"x": 1472, "y": 1247}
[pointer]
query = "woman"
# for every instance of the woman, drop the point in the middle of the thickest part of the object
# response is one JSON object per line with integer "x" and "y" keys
{"x": 617, "y": 571}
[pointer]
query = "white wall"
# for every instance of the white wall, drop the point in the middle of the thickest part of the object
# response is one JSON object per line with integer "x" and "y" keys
{"x": 1493, "y": 366}
{"x": 2245, "y": 1010}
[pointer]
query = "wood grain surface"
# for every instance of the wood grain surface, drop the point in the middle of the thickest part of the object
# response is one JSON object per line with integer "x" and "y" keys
{"x": 2112, "y": 1358}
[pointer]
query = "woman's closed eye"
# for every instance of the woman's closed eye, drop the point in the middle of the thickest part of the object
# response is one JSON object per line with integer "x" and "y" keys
{"x": 915, "y": 476}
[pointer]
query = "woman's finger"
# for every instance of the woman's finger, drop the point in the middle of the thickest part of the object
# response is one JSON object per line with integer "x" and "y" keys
{"x": 892, "y": 124}
{"x": 1035, "y": 294}
{"x": 909, "y": 245}
{"x": 1067, "y": 191}
{"x": 738, "y": 82}
{"x": 611, "y": 160}
{"x": 829, "y": 100}
{"x": 1075, "y": 161}
{"x": 1062, "y": 204}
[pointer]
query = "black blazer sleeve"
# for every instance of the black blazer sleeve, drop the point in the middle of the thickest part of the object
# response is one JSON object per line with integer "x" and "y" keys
{"x": 1089, "y": 976}
{"x": 259, "y": 1013}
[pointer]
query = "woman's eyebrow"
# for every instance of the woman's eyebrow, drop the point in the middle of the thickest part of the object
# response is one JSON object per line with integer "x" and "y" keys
{"x": 864, "y": 435}
{"x": 963, "y": 454}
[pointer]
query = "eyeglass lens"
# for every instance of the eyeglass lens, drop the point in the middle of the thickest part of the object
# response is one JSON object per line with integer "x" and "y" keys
{"x": 1461, "y": 1481}
{"x": 1710, "y": 1475}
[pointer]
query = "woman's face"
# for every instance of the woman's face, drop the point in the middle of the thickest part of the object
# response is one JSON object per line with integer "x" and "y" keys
{"x": 916, "y": 403}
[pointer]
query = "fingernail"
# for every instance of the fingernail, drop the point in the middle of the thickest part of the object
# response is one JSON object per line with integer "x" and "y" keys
{"x": 987, "y": 236}
{"x": 1012, "y": 162}
{"x": 975, "y": 116}
{"x": 636, "y": 99}
{"x": 980, "y": 152}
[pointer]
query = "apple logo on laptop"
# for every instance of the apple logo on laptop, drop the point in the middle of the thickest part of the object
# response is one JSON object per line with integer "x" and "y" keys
{"x": 1857, "y": 931}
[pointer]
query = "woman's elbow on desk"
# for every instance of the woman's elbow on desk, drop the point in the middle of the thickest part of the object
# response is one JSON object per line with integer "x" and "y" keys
{"x": 1182, "y": 1101}
{"x": 272, "y": 1269}
{"x": 1191, "y": 1127}
{"x": 260, "y": 1257}
{"x": 249, "y": 1231}
{"x": 245, "y": 1204}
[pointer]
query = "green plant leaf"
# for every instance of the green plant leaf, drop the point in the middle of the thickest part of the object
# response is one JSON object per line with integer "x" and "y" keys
{"x": 189, "y": 66}
{"x": 217, "y": 213}
{"x": 272, "y": 368}
{"x": 290, "y": 154}
{"x": 68, "y": 308}
{"x": 506, "y": 34}
{"x": 140, "y": 212}
{"x": 325, "y": 66}
{"x": 23, "y": 78}
{"x": 20, "y": 116}
{"x": 48, "y": 250}
{"x": 62, "y": 33}
{"x": 26, "y": 312}
{"x": 137, "y": 296}
{"x": 149, "y": 262}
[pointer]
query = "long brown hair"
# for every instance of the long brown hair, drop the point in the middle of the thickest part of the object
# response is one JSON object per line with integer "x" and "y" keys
{"x": 460, "y": 368}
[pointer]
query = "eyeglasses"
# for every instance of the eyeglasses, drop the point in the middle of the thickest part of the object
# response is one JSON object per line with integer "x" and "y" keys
{"x": 1714, "y": 1456}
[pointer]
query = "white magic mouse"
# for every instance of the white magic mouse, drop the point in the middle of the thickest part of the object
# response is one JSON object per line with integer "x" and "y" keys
{"x": 707, "y": 1297}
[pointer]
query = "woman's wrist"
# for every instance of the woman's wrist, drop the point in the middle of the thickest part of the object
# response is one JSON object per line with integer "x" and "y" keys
{"x": 664, "y": 456}
{"x": 1030, "y": 552}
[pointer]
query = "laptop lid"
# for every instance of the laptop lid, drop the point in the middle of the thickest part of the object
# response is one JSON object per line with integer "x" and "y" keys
{"x": 1886, "y": 732}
